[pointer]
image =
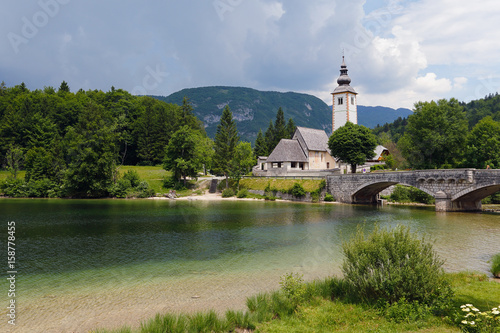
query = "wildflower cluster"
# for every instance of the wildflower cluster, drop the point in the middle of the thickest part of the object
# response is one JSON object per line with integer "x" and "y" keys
{"x": 477, "y": 321}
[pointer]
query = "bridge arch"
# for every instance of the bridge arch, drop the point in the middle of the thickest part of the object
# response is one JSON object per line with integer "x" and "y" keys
{"x": 476, "y": 193}
{"x": 367, "y": 193}
{"x": 453, "y": 189}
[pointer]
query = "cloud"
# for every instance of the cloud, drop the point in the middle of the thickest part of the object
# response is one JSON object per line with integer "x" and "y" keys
{"x": 399, "y": 52}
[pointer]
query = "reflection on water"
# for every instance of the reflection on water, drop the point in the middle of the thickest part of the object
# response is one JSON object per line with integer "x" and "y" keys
{"x": 66, "y": 245}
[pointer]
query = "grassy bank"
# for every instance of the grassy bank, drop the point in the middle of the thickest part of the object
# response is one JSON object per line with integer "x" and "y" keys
{"x": 277, "y": 184}
{"x": 4, "y": 174}
{"x": 323, "y": 306}
{"x": 154, "y": 175}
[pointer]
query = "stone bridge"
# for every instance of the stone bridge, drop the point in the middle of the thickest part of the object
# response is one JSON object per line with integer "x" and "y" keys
{"x": 453, "y": 189}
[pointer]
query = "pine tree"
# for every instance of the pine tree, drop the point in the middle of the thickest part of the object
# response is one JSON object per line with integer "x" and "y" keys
{"x": 290, "y": 128}
{"x": 64, "y": 87}
{"x": 279, "y": 127}
{"x": 260, "y": 148}
{"x": 226, "y": 139}
{"x": 186, "y": 116}
{"x": 269, "y": 138}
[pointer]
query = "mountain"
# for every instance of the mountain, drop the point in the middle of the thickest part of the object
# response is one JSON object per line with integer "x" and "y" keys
{"x": 253, "y": 109}
{"x": 371, "y": 116}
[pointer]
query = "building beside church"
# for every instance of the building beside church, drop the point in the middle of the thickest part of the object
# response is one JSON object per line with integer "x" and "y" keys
{"x": 307, "y": 153}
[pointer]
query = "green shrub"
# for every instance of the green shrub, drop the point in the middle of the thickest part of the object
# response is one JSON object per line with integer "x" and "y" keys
{"x": 40, "y": 188}
{"x": 410, "y": 194}
{"x": 142, "y": 191}
{"x": 404, "y": 311}
{"x": 378, "y": 167}
{"x": 222, "y": 184}
{"x": 227, "y": 193}
{"x": 492, "y": 199}
{"x": 495, "y": 265}
{"x": 170, "y": 182}
{"x": 133, "y": 177}
{"x": 297, "y": 190}
{"x": 120, "y": 188}
{"x": 243, "y": 193}
{"x": 293, "y": 287}
{"x": 329, "y": 198}
{"x": 387, "y": 266}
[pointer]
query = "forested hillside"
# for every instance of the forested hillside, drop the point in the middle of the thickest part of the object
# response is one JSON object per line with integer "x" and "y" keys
{"x": 72, "y": 142}
{"x": 445, "y": 134}
{"x": 474, "y": 112}
{"x": 253, "y": 109}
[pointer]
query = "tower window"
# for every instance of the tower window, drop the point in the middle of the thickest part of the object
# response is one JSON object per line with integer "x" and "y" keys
{"x": 340, "y": 100}
{"x": 352, "y": 100}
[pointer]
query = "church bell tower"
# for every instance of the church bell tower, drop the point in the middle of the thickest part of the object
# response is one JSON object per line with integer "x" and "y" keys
{"x": 345, "y": 107}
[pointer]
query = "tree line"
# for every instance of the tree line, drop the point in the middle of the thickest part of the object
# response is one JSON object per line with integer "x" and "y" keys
{"x": 445, "y": 134}
{"x": 70, "y": 144}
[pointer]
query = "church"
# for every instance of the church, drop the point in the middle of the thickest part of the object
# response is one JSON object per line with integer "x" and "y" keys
{"x": 307, "y": 153}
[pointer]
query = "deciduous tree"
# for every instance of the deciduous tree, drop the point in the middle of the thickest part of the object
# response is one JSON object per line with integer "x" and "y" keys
{"x": 435, "y": 135}
{"x": 353, "y": 144}
{"x": 242, "y": 162}
{"x": 182, "y": 156}
{"x": 483, "y": 145}
{"x": 92, "y": 154}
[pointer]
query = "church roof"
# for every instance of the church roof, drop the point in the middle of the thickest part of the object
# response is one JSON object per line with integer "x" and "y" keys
{"x": 313, "y": 139}
{"x": 287, "y": 151}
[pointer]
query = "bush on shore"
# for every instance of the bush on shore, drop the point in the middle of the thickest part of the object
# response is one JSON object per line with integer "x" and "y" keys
{"x": 495, "y": 265}
{"x": 227, "y": 193}
{"x": 388, "y": 266}
{"x": 401, "y": 288}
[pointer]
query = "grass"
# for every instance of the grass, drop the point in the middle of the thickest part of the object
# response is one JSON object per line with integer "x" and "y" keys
{"x": 325, "y": 307}
{"x": 283, "y": 185}
{"x": 4, "y": 174}
{"x": 152, "y": 174}
{"x": 475, "y": 288}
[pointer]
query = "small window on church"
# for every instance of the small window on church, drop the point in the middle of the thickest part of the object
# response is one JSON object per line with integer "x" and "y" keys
{"x": 341, "y": 100}
{"x": 352, "y": 100}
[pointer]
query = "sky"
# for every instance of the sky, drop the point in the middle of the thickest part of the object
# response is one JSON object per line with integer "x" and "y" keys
{"x": 398, "y": 52}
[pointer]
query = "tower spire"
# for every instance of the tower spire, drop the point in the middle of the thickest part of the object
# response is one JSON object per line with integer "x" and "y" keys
{"x": 344, "y": 107}
{"x": 344, "y": 79}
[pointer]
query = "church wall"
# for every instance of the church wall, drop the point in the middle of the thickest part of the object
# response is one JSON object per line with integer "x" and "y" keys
{"x": 320, "y": 160}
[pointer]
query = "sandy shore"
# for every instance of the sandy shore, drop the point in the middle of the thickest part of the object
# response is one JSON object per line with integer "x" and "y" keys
{"x": 205, "y": 197}
{"x": 117, "y": 307}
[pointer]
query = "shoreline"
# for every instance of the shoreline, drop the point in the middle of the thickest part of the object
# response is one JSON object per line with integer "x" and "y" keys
{"x": 218, "y": 197}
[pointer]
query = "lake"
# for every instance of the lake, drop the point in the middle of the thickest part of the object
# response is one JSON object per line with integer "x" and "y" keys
{"x": 84, "y": 264}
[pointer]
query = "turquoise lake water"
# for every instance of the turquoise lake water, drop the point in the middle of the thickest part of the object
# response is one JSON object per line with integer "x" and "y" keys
{"x": 64, "y": 247}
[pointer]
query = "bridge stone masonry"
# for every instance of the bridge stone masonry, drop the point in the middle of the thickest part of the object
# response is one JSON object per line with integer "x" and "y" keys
{"x": 453, "y": 189}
